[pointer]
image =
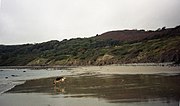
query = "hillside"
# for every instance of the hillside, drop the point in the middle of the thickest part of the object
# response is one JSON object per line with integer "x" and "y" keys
{"x": 114, "y": 47}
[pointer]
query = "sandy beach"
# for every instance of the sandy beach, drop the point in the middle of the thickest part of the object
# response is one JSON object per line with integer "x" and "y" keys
{"x": 95, "y": 86}
{"x": 131, "y": 69}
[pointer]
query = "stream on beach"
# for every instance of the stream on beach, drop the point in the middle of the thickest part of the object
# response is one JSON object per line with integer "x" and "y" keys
{"x": 35, "y": 87}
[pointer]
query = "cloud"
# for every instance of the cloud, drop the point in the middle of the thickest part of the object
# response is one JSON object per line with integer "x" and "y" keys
{"x": 30, "y": 21}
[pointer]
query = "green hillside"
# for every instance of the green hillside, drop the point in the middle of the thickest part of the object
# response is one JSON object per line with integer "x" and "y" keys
{"x": 155, "y": 46}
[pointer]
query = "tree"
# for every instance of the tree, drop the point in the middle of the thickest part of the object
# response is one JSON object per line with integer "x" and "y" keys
{"x": 163, "y": 28}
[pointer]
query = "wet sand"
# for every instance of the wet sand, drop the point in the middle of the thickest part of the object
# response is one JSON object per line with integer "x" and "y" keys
{"x": 97, "y": 90}
{"x": 131, "y": 69}
{"x": 101, "y": 86}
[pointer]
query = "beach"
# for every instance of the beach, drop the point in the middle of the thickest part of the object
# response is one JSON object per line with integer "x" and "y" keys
{"x": 127, "y": 69}
{"x": 112, "y": 85}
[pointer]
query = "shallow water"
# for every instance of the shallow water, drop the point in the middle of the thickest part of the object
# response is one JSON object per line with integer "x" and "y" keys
{"x": 101, "y": 90}
{"x": 93, "y": 87}
{"x": 12, "y": 77}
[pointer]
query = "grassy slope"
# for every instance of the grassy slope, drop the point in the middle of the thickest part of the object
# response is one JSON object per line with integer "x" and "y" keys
{"x": 92, "y": 51}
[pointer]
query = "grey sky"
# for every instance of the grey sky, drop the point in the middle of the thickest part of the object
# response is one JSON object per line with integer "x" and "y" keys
{"x": 31, "y": 21}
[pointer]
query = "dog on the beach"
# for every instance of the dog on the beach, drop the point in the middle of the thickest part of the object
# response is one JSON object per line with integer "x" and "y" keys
{"x": 59, "y": 80}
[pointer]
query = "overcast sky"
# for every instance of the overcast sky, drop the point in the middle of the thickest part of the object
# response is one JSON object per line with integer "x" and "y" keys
{"x": 32, "y": 21}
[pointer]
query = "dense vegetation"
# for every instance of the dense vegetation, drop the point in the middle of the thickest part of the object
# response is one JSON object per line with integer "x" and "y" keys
{"x": 151, "y": 46}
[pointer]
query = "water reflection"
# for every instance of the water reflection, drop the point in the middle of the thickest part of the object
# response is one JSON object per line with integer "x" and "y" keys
{"x": 113, "y": 88}
{"x": 59, "y": 90}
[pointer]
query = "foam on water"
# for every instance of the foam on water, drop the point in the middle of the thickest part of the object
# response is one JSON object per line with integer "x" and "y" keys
{"x": 7, "y": 85}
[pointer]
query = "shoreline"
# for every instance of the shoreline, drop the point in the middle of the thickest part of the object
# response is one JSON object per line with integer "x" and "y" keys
{"x": 58, "y": 67}
{"x": 140, "y": 68}
{"x": 109, "y": 85}
{"x": 119, "y": 69}
{"x": 106, "y": 89}
{"x": 87, "y": 71}
{"x": 37, "y": 67}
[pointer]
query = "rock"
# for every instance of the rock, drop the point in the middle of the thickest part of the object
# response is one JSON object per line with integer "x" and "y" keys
{"x": 14, "y": 75}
